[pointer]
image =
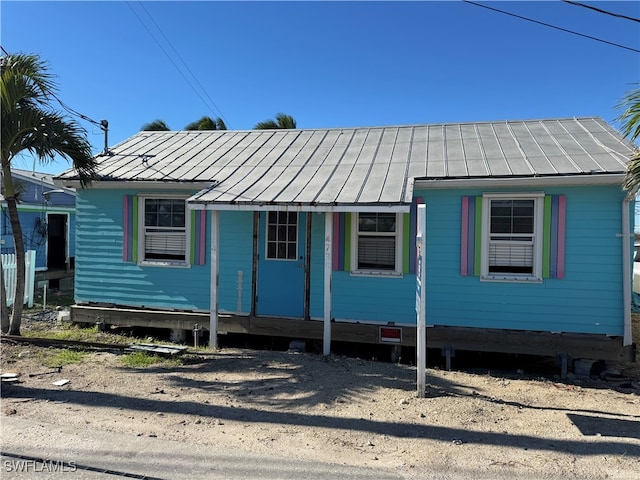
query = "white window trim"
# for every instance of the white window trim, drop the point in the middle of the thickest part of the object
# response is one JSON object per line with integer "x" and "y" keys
{"x": 141, "y": 233}
{"x": 397, "y": 271}
{"x": 536, "y": 277}
{"x": 266, "y": 239}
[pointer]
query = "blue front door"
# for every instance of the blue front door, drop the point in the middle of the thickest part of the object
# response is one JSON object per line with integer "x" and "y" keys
{"x": 281, "y": 264}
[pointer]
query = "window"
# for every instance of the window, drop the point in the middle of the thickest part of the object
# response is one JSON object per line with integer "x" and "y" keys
{"x": 378, "y": 247}
{"x": 282, "y": 235}
{"x": 164, "y": 230}
{"x": 512, "y": 245}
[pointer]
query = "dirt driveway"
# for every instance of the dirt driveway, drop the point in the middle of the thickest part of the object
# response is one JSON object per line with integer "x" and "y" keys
{"x": 507, "y": 424}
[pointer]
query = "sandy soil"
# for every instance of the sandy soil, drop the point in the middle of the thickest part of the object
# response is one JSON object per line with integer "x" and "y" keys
{"x": 494, "y": 424}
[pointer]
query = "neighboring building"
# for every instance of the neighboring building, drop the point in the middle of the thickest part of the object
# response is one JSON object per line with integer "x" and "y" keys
{"x": 47, "y": 218}
{"x": 310, "y": 234}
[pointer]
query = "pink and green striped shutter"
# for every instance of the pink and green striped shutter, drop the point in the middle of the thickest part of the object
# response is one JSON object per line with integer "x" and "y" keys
{"x": 553, "y": 246}
{"x": 342, "y": 240}
{"x": 471, "y": 239}
{"x": 130, "y": 229}
{"x": 198, "y": 237}
{"x": 410, "y": 227}
{"x": 130, "y": 232}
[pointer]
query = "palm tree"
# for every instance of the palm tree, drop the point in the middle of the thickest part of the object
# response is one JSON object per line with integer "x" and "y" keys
{"x": 207, "y": 123}
{"x": 282, "y": 120}
{"x": 630, "y": 118}
{"x": 156, "y": 126}
{"x": 29, "y": 123}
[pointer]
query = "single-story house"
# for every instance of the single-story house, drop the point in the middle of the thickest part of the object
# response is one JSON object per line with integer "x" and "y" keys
{"x": 47, "y": 218}
{"x": 310, "y": 233}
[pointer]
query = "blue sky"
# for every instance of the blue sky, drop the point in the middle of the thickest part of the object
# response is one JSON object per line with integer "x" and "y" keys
{"x": 328, "y": 64}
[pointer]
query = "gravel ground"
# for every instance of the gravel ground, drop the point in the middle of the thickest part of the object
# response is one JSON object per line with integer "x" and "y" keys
{"x": 477, "y": 423}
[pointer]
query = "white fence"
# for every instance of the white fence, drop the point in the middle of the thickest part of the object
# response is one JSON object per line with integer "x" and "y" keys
{"x": 9, "y": 268}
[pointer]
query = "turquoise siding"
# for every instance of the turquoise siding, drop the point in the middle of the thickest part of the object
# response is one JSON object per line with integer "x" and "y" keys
{"x": 373, "y": 299}
{"x": 588, "y": 300}
{"x": 316, "y": 294}
{"x": 102, "y": 276}
{"x": 236, "y": 254}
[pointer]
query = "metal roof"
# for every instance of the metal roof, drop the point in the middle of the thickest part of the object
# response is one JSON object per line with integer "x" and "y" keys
{"x": 44, "y": 180}
{"x": 361, "y": 166}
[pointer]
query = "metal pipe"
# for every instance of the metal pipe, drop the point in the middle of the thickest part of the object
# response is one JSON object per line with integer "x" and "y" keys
{"x": 196, "y": 335}
{"x": 213, "y": 294}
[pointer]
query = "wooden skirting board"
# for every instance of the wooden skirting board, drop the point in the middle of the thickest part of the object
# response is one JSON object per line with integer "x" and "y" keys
{"x": 576, "y": 345}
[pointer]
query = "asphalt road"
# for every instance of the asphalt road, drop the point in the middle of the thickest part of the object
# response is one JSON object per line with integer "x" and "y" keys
{"x": 40, "y": 450}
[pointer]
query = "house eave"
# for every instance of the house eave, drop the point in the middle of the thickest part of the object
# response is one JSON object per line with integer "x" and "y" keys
{"x": 532, "y": 181}
{"x": 298, "y": 207}
{"x": 135, "y": 184}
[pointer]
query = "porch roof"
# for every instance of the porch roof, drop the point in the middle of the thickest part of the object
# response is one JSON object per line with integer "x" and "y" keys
{"x": 366, "y": 167}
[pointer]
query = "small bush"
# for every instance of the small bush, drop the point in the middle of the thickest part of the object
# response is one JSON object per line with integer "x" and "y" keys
{"x": 143, "y": 359}
{"x": 74, "y": 333}
{"x": 63, "y": 357}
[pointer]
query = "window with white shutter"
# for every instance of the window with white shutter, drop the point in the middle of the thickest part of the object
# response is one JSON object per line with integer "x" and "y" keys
{"x": 378, "y": 242}
{"x": 512, "y": 244}
{"x": 164, "y": 229}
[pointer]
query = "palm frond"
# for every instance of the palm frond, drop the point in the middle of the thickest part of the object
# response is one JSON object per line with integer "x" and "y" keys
{"x": 632, "y": 176}
{"x": 282, "y": 121}
{"x": 220, "y": 124}
{"x": 155, "y": 126}
{"x": 285, "y": 121}
{"x": 630, "y": 116}
{"x": 207, "y": 123}
{"x": 30, "y": 71}
{"x": 266, "y": 125}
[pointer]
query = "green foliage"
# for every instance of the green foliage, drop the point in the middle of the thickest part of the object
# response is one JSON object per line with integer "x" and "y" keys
{"x": 63, "y": 357}
{"x": 30, "y": 122}
{"x": 282, "y": 121}
{"x": 143, "y": 359}
{"x": 75, "y": 333}
{"x": 55, "y": 299}
{"x": 207, "y": 123}
{"x": 630, "y": 118}
{"x": 156, "y": 126}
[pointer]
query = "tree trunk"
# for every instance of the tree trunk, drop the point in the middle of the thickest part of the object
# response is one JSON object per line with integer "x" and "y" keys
{"x": 18, "y": 299}
{"x": 4, "y": 311}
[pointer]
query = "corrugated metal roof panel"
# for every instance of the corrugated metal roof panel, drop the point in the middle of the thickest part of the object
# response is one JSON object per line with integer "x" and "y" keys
{"x": 365, "y": 166}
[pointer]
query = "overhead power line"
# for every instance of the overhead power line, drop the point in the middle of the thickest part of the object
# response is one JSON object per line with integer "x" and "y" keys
{"x": 103, "y": 124}
{"x": 618, "y": 15}
{"x": 552, "y": 26}
{"x": 208, "y": 105}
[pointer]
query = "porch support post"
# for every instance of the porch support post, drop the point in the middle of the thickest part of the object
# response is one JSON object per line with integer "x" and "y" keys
{"x": 627, "y": 272}
{"x": 328, "y": 249}
{"x": 213, "y": 294}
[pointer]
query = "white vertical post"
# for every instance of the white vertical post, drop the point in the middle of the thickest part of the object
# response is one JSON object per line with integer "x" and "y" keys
{"x": 239, "y": 304}
{"x": 328, "y": 249}
{"x": 30, "y": 278}
{"x": 215, "y": 253}
{"x": 421, "y": 334}
{"x": 627, "y": 272}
